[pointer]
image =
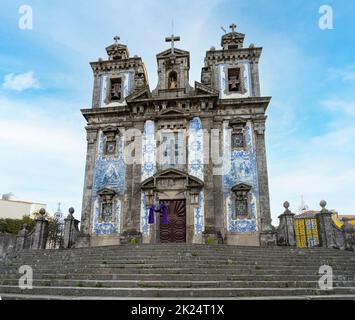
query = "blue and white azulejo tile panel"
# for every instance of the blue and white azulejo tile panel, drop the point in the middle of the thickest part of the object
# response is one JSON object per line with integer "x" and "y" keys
{"x": 199, "y": 215}
{"x": 107, "y": 228}
{"x": 144, "y": 225}
{"x": 148, "y": 150}
{"x": 240, "y": 166}
{"x": 109, "y": 172}
{"x": 195, "y": 149}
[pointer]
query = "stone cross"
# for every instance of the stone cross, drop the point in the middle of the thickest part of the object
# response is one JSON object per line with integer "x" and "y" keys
{"x": 172, "y": 39}
{"x": 116, "y": 38}
{"x": 233, "y": 27}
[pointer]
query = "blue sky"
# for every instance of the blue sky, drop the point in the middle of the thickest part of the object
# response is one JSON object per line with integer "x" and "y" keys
{"x": 45, "y": 79}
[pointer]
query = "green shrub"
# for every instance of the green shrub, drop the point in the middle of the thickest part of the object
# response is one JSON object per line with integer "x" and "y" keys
{"x": 210, "y": 240}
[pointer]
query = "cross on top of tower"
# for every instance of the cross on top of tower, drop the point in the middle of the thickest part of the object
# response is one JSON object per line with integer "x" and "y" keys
{"x": 172, "y": 39}
{"x": 233, "y": 26}
{"x": 116, "y": 38}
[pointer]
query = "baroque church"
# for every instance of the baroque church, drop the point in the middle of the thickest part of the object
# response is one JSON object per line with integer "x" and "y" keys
{"x": 179, "y": 163}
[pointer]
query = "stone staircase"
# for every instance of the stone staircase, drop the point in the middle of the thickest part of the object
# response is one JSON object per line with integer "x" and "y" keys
{"x": 175, "y": 271}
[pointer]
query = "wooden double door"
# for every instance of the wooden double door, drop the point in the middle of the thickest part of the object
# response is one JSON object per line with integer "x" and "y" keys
{"x": 175, "y": 230}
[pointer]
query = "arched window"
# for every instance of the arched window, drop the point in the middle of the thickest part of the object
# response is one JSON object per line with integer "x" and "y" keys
{"x": 172, "y": 80}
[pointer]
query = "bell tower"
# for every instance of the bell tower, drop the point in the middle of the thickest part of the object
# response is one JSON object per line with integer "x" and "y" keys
{"x": 117, "y": 77}
{"x": 173, "y": 71}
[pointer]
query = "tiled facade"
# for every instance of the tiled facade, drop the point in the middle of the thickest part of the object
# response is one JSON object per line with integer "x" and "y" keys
{"x": 174, "y": 155}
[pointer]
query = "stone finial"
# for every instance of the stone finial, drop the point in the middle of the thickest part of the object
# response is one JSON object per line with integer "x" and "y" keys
{"x": 42, "y": 212}
{"x": 252, "y": 46}
{"x": 71, "y": 212}
{"x": 323, "y": 205}
{"x": 287, "y": 206}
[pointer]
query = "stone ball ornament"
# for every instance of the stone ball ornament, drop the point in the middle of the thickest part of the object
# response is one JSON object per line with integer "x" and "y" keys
{"x": 323, "y": 204}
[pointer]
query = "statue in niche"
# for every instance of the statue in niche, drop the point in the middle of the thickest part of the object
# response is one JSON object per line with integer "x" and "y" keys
{"x": 172, "y": 80}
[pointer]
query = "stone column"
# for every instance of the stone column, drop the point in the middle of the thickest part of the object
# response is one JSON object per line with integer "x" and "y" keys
{"x": 40, "y": 234}
{"x": 267, "y": 233}
{"x": 131, "y": 221}
{"x": 86, "y": 214}
{"x": 325, "y": 223}
{"x": 218, "y": 204}
{"x": 96, "y": 91}
{"x": 71, "y": 230}
{"x": 21, "y": 238}
{"x": 286, "y": 230}
{"x": 255, "y": 78}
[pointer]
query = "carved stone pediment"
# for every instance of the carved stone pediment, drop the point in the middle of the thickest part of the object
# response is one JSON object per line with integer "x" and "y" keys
{"x": 172, "y": 179}
{"x": 241, "y": 187}
{"x": 171, "y": 113}
{"x": 177, "y": 53}
{"x": 237, "y": 122}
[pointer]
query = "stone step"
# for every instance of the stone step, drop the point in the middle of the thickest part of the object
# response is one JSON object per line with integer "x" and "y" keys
{"x": 168, "y": 249}
{"x": 176, "y": 277}
{"x": 133, "y": 251}
{"x": 175, "y": 292}
{"x": 183, "y": 271}
{"x": 174, "y": 284}
{"x": 93, "y": 298}
{"x": 227, "y": 265}
{"x": 189, "y": 257}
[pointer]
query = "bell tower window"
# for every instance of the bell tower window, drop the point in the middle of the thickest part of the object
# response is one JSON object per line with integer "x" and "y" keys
{"x": 234, "y": 83}
{"x": 116, "y": 89}
{"x": 172, "y": 80}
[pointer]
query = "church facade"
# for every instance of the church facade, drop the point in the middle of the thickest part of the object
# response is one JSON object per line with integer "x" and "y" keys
{"x": 196, "y": 151}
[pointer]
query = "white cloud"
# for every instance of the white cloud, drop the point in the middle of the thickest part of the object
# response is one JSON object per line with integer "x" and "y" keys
{"x": 320, "y": 168}
{"x": 346, "y": 74}
{"x": 43, "y": 149}
{"x": 348, "y": 107}
{"x": 21, "y": 82}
